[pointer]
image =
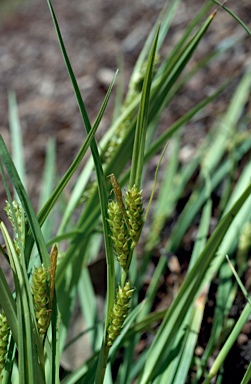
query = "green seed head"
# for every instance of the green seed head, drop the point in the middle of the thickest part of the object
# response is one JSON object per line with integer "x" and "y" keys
{"x": 119, "y": 312}
{"x": 18, "y": 221}
{"x": 134, "y": 212}
{"x": 18, "y": 212}
{"x": 41, "y": 297}
{"x": 4, "y": 338}
{"x": 119, "y": 233}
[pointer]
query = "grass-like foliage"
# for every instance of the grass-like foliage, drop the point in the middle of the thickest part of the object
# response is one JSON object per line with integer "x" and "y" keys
{"x": 129, "y": 340}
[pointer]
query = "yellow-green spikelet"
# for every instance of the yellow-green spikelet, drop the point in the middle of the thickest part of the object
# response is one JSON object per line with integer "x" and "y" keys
{"x": 119, "y": 233}
{"x": 41, "y": 296}
{"x": 4, "y": 338}
{"x": 119, "y": 312}
{"x": 21, "y": 221}
{"x": 135, "y": 213}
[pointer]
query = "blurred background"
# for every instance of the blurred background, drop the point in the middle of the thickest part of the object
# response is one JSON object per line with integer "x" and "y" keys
{"x": 100, "y": 36}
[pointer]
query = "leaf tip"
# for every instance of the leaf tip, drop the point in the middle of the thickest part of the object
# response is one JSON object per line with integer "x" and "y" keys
{"x": 213, "y": 14}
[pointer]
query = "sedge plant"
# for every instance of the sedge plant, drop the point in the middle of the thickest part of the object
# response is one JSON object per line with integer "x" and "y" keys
{"x": 50, "y": 266}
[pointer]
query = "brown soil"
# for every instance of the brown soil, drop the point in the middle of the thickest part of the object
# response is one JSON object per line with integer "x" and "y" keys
{"x": 96, "y": 35}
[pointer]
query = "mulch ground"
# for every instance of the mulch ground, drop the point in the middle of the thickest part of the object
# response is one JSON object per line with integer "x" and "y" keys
{"x": 97, "y": 35}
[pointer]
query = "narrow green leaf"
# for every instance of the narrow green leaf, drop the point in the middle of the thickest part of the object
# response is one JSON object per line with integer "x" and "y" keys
{"x": 48, "y": 173}
{"x": 242, "y": 287}
{"x": 142, "y": 121}
{"x": 16, "y": 136}
{"x": 233, "y": 15}
{"x": 247, "y": 376}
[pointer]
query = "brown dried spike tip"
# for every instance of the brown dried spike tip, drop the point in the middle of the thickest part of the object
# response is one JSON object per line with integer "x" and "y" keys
{"x": 119, "y": 197}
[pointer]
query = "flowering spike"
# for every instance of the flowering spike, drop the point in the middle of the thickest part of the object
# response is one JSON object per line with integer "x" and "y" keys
{"x": 119, "y": 312}
{"x": 119, "y": 233}
{"x": 41, "y": 298}
{"x": 135, "y": 213}
{"x": 4, "y": 338}
{"x": 18, "y": 222}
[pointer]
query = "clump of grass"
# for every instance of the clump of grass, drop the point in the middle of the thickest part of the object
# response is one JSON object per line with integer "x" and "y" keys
{"x": 37, "y": 313}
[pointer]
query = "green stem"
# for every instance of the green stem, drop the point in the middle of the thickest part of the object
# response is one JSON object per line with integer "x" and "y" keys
{"x": 123, "y": 279}
{"x": 102, "y": 363}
